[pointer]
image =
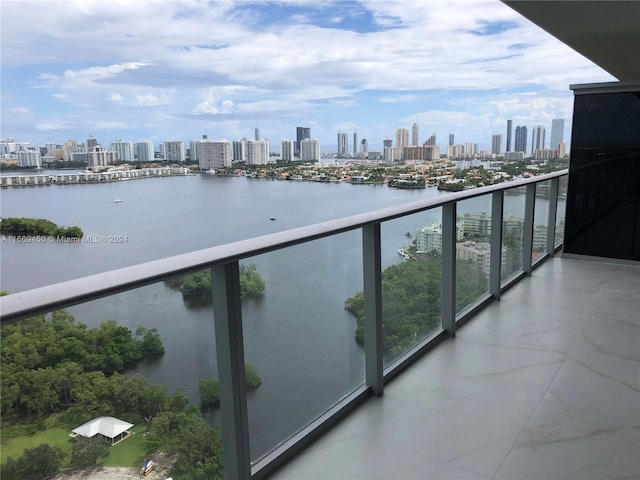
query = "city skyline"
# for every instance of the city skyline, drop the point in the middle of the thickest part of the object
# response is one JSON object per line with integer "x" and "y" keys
{"x": 160, "y": 72}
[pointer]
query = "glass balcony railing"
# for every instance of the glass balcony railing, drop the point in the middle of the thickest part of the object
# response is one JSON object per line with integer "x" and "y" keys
{"x": 372, "y": 291}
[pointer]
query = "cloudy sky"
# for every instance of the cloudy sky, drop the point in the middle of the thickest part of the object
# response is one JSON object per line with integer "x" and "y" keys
{"x": 175, "y": 70}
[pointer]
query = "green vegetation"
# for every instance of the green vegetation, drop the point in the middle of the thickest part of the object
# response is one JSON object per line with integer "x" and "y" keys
{"x": 36, "y": 227}
{"x": 35, "y": 463}
{"x": 50, "y": 365}
{"x": 57, "y": 374}
{"x": 411, "y": 300}
{"x": 209, "y": 388}
{"x": 196, "y": 286}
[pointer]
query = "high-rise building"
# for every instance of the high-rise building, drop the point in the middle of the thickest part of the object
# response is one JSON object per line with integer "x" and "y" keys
{"x": 174, "y": 151}
{"x": 239, "y": 150}
{"x": 451, "y": 139}
{"x": 509, "y": 127}
{"x": 310, "y": 149}
{"x": 355, "y": 143}
{"x": 387, "y": 142}
{"x": 124, "y": 150}
{"x": 496, "y": 144}
{"x": 415, "y": 134}
{"x": 29, "y": 158}
{"x": 521, "y": 139}
{"x": 91, "y": 143}
{"x": 431, "y": 140}
{"x": 301, "y": 134}
{"x": 257, "y": 134}
{"x": 364, "y": 146}
{"x": 286, "y": 150}
{"x": 557, "y": 132}
{"x": 144, "y": 151}
{"x": 69, "y": 148}
{"x": 343, "y": 143}
{"x": 402, "y": 137}
{"x": 537, "y": 138}
{"x": 101, "y": 157}
{"x": 257, "y": 152}
{"x": 213, "y": 154}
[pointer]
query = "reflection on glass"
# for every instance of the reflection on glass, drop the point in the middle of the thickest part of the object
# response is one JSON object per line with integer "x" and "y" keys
{"x": 411, "y": 281}
{"x": 541, "y": 220}
{"x": 473, "y": 250}
{"x": 300, "y": 338}
{"x": 512, "y": 232}
{"x": 127, "y": 366}
{"x": 561, "y": 210}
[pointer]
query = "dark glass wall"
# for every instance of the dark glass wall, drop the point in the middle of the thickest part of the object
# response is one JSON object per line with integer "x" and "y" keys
{"x": 603, "y": 198}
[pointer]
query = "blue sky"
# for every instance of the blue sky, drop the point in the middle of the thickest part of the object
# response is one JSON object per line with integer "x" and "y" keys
{"x": 175, "y": 70}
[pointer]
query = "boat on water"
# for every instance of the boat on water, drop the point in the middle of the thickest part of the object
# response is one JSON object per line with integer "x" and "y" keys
{"x": 117, "y": 200}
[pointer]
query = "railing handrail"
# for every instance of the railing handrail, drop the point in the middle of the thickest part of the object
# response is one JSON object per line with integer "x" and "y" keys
{"x": 60, "y": 295}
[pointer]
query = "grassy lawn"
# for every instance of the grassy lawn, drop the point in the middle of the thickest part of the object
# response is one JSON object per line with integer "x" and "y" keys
{"x": 56, "y": 437}
{"x": 128, "y": 453}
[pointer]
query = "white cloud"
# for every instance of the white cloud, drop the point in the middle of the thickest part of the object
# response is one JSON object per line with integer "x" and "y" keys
{"x": 149, "y": 100}
{"x": 116, "y": 97}
{"x": 23, "y": 110}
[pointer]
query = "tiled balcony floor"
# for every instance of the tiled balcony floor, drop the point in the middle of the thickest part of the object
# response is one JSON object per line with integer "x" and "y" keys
{"x": 543, "y": 384}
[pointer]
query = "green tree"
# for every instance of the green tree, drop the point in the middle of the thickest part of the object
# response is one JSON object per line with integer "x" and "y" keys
{"x": 87, "y": 451}
{"x": 209, "y": 392}
{"x": 251, "y": 374}
{"x": 35, "y": 463}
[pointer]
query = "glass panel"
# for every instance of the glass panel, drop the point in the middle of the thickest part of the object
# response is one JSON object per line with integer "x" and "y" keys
{"x": 300, "y": 337}
{"x": 541, "y": 220}
{"x": 411, "y": 281}
{"x": 512, "y": 232}
{"x": 137, "y": 356}
{"x": 562, "y": 208}
{"x": 473, "y": 250}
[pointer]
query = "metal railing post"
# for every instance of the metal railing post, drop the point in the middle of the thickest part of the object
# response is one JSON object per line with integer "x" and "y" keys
{"x": 495, "y": 268}
{"x": 227, "y": 313}
{"x": 372, "y": 275}
{"x": 527, "y": 240}
{"x": 552, "y": 216}
{"x": 448, "y": 294}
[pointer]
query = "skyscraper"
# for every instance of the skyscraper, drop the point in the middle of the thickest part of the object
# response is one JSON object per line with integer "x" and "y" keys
{"x": 310, "y": 149}
{"x": 432, "y": 139}
{"x": 286, "y": 150}
{"x": 343, "y": 143}
{"x": 257, "y": 134}
{"x": 355, "y": 143}
{"x": 91, "y": 143}
{"x": 537, "y": 138}
{"x": 415, "y": 133}
{"x": 124, "y": 150}
{"x": 402, "y": 137}
{"x": 144, "y": 151}
{"x": 174, "y": 151}
{"x": 451, "y": 139}
{"x": 302, "y": 133}
{"x": 496, "y": 144}
{"x": 509, "y": 127}
{"x": 521, "y": 139}
{"x": 557, "y": 132}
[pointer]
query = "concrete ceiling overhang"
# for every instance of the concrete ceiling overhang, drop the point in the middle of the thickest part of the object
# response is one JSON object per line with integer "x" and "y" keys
{"x": 605, "y": 32}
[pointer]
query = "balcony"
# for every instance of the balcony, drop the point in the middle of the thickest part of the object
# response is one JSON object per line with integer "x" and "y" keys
{"x": 546, "y": 378}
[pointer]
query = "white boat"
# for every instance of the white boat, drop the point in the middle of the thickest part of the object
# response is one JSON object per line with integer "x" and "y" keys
{"x": 117, "y": 200}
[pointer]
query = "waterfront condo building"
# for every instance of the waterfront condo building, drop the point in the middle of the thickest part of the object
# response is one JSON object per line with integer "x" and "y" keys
{"x": 287, "y": 150}
{"x": 174, "y": 151}
{"x": 402, "y": 137}
{"x": 124, "y": 150}
{"x": 310, "y": 149}
{"x": 257, "y": 152}
{"x": 213, "y": 154}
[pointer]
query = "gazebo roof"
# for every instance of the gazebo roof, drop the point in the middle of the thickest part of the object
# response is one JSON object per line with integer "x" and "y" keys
{"x": 109, "y": 427}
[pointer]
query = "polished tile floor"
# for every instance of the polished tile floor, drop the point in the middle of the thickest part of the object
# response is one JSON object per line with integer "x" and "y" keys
{"x": 544, "y": 384}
